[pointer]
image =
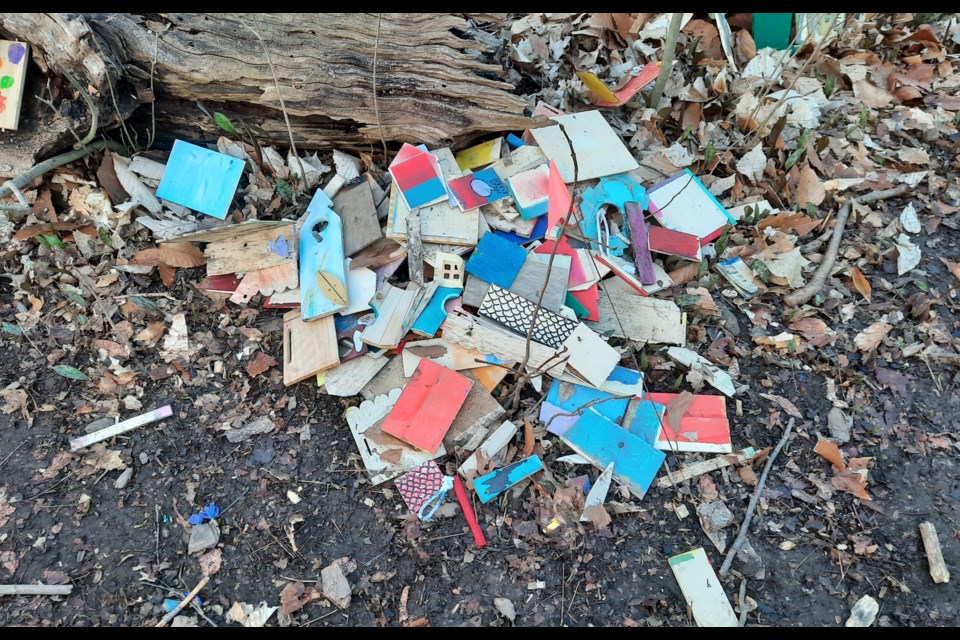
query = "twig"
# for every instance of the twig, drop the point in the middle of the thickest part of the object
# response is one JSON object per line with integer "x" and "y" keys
{"x": 669, "y": 53}
{"x": 183, "y": 603}
{"x": 812, "y": 288}
{"x": 743, "y": 604}
{"x": 376, "y": 105}
{"x": 23, "y": 205}
{"x": 745, "y": 527}
{"x": 35, "y": 589}
{"x": 94, "y": 111}
{"x": 29, "y": 176}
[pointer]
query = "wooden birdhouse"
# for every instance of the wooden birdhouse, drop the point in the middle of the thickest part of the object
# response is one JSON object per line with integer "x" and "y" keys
{"x": 449, "y": 270}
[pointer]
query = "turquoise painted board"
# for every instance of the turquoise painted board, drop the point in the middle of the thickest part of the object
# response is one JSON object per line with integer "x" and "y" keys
{"x": 433, "y": 316}
{"x": 606, "y": 405}
{"x": 200, "y": 179}
{"x": 600, "y": 441}
{"x": 613, "y": 190}
{"x": 647, "y": 420}
{"x": 496, "y": 260}
{"x": 323, "y": 282}
{"x": 493, "y": 484}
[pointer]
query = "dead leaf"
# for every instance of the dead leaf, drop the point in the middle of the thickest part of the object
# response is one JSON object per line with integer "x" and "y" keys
{"x": 868, "y": 339}
{"x": 798, "y": 223}
{"x": 210, "y": 562}
{"x": 748, "y": 475}
{"x": 176, "y": 345}
{"x": 150, "y": 334}
{"x": 785, "y": 404}
{"x": 9, "y": 561}
{"x": 809, "y": 189}
{"x": 147, "y": 257}
{"x": 6, "y": 510}
{"x": 260, "y": 363}
{"x": 861, "y": 284}
{"x": 677, "y": 408}
{"x": 113, "y": 349}
{"x": 598, "y": 516}
{"x": 871, "y": 95}
{"x": 852, "y": 483}
{"x": 708, "y": 488}
{"x": 61, "y": 460}
{"x": 954, "y": 267}
{"x": 753, "y": 163}
{"x": 181, "y": 254}
{"x": 831, "y": 453}
{"x": 167, "y": 274}
{"x": 55, "y": 577}
{"x": 13, "y": 400}
{"x": 506, "y": 608}
{"x": 296, "y": 596}
{"x": 529, "y": 441}
{"x": 102, "y": 458}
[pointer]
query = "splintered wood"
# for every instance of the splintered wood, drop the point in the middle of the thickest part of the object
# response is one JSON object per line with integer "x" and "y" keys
{"x": 931, "y": 544}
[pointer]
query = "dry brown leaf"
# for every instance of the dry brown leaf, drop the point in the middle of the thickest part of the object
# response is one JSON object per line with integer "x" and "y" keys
{"x": 954, "y": 267}
{"x": 260, "y": 363}
{"x": 798, "y": 223}
{"x": 831, "y": 453}
{"x": 528, "y": 439}
{"x": 6, "y": 510}
{"x": 785, "y": 404}
{"x": 856, "y": 464}
{"x": 13, "y": 400}
{"x": 871, "y": 95}
{"x": 296, "y": 596}
{"x": 861, "y": 284}
{"x": 685, "y": 274}
{"x": 150, "y": 334}
{"x": 167, "y": 274}
{"x": 868, "y": 339}
{"x": 852, "y": 483}
{"x": 149, "y": 257}
{"x": 113, "y": 349}
{"x": 748, "y": 475}
{"x": 810, "y": 188}
{"x": 677, "y": 408}
{"x": 181, "y": 254}
{"x": 61, "y": 460}
{"x": 708, "y": 488}
{"x": 210, "y": 562}
{"x": 102, "y": 458}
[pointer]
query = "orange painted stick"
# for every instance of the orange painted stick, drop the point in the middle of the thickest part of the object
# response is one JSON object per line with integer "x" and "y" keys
{"x": 467, "y": 507}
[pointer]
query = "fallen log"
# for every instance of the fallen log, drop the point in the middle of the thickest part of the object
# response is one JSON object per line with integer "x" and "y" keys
{"x": 433, "y": 82}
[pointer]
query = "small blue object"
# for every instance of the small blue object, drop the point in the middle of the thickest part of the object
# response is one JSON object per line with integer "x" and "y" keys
{"x": 279, "y": 247}
{"x": 209, "y": 512}
{"x": 635, "y": 462}
{"x": 433, "y": 316}
{"x": 647, "y": 421}
{"x": 200, "y": 179}
{"x": 169, "y": 604}
{"x": 493, "y": 484}
{"x": 496, "y": 260}
{"x": 539, "y": 231}
{"x": 514, "y": 141}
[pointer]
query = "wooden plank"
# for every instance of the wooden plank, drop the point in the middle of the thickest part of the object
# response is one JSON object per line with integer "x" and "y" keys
{"x": 589, "y": 299}
{"x": 599, "y": 150}
{"x": 361, "y": 228}
{"x": 565, "y": 397}
{"x": 704, "y": 427}
{"x": 675, "y": 243}
{"x": 479, "y": 155}
{"x": 702, "y": 590}
{"x": 474, "y": 291}
{"x": 472, "y": 424}
{"x": 323, "y": 286}
{"x": 682, "y": 203}
{"x": 641, "y": 249}
{"x": 390, "y": 376}
{"x": 517, "y": 314}
{"x": 931, "y": 544}
{"x": 643, "y": 319}
{"x": 427, "y": 406}
{"x": 14, "y": 58}
{"x": 226, "y": 232}
{"x": 644, "y": 418}
{"x": 602, "y": 442}
{"x": 387, "y": 329}
{"x": 697, "y": 469}
{"x": 200, "y": 179}
{"x": 35, "y": 589}
{"x": 493, "y": 484}
{"x": 350, "y": 377}
{"x": 467, "y": 331}
{"x": 121, "y": 427}
{"x": 361, "y": 288}
{"x": 589, "y": 356}
{"x": 442, "y": 352}
{"x": 495, "y": 444}
{"x": 532, "y": 276}
{"x": 382, "y": 252}
{"x": 496, "y": 260}
{"x": 489, "y": 377}
{"x": 244, "y": 247}
{"x": 440, "y": 223}
{"x": 308, "y": 347}
{"x": 383, "y": 456}
{"x": 414, "y": 248}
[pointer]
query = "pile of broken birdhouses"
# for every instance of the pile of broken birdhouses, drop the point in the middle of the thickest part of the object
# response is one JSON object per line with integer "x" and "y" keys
{"x": 503, "y": 271}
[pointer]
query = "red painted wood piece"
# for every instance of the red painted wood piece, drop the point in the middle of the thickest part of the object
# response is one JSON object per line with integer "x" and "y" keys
{"x": 674, "y": 243}
{"x": 707, "y": 418}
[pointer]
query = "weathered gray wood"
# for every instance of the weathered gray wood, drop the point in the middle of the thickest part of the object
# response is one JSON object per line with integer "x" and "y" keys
{"x": 643, "y": 319}
{"x": 532, "y": 275}
{"x": 931, "y": 544}
{"x": 35, "y": 589}
{"x": 361, "y": 228}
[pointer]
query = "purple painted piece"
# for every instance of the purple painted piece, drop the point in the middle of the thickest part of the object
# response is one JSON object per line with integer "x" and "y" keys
{"x": 641, "y": 249}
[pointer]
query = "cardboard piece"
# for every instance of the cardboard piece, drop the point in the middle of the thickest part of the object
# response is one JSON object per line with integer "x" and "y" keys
{"x": 323, "y": 286}
{"x": 200, "y": 179}
{"x": 417, "y": 175}
{"x": 702, "y": 589}
{"x": 602, "y": 96}
{"x": 493, "y": 484}
{"x": 427, "y": 406}
{"x": 308, "y": 347}
{"x": 472, "y": 191}
{"x": 682, "y": 203}
{"x": 14, "y": 57}
{"x": 600, "y": 151}
{"x": 703, "y": 428}
{"x": 496, "y": 260}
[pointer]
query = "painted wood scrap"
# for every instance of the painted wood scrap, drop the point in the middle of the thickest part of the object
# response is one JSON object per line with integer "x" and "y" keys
{"x": 245, "y": 247}
{"x": 479, "y": 155}
{"x": 479, "y": 411}
{"x": 641, "y": 319}
{"x": 593, "y": 510}
{"x": 448, "y": 270}
{"x": 578, "y": 275}
{"x": 704, "y": 427}
{"x": 383, "y": 456}
{"x": 350, "y": 377}
{"x": 429, "y": 321}
{"x": 602, "y": 96}
{"x": 323, "y": 286}
{"x": 599, "y": 150}
{"x": 120, "y": 428}
{"x": 697, "y": 469}
{"x": 440, "y": 351}
{"x": 267, "y": 282}
{"x": 477, "y": 189}
{"x": 702, "y": 589}
{"x": 589, "y": 300}
{"x": 682, "y": 203}
{"x": 348, "y": 336}
{"x": 419, "y": 485}
{"x": 674, "y": 243}
{"x": 517, "y": 314}
{"x": 13, "y": 72}
{"x": 534, "y": 273}
{"x": 308, "y": 347}
{"x": 468, "y": 331}
{"x": 626, "y": 273}
{"x": 566, "y": 398}
{"x": 604, "y": 229}
{"x": 489, "y": 377}
{"x": 530, "y": 191}
{"x": 496, "y": 260}
{"x": 361, "y": 228}
{"x": 493, "y": 484}
{"x": 489, "y": 452}
{"x": 440, "y": 223}
{"x": 361, "y": 288}
{"x": 714, "y": 375}
{"x": 417, "y": 176}
{"x": 393, "y": 305}
{"x": 588, "y": 356}
{"x": 389, "y": 377}
{"x": 200, "y": 179}
{"x": 427, "y": 406}
{"x": 475, "y": 291}
{"x": 602, "y": 442}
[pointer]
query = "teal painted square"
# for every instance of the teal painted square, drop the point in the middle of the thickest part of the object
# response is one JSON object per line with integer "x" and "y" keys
{"x": 496, "y": 260}
{"x": 200, "y": 179}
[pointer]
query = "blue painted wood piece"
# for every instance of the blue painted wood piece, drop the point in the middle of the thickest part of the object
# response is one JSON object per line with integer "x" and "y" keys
{"x": 200, "y": 179}
{"x": 514, "y": 141}
{"x": 493, "y": 484}
{"x": 496, "y": 260}
{"x": 539, "y": 232}
{"x": 600, "y": 441}
{"x": 433, "y": 316}
{"x": 606, "y": 405}
{"x": 647, "y": 421}
{"x": 613, "y": 190}
{"x": 323, "y": 282}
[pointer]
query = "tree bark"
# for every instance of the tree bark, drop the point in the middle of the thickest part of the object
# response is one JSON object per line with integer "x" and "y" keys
{"x": 432, "y": 82}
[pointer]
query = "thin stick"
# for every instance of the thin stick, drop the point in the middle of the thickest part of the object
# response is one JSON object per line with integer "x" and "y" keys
{"x": 183, "y": 603}
{"x": 666, "y": 65}
{"x": 743, "y": 604}
{"x": 812, "y": 288}
{"x": 35, "y": 589}
{"x": 29, "y": 176}
{"x": 745, "y": 527}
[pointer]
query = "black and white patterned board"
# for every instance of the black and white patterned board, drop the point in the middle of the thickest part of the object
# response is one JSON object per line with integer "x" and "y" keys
{"x": 516, "y": 313}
